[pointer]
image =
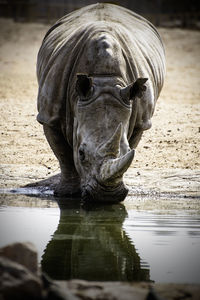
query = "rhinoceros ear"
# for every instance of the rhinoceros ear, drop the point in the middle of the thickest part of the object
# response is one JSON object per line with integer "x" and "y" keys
{"x": 83, "y": 85}
{"x": 134, "y": 89}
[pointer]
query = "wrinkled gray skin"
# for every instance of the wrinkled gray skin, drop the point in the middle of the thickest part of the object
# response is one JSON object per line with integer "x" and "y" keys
{"x": 100, "y": 71}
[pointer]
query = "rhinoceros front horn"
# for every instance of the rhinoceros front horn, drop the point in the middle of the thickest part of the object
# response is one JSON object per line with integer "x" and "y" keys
{"x": 113, "y": 169}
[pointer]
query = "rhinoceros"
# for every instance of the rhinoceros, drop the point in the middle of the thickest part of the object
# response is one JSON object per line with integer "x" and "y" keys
{"x": 100, "y": 71}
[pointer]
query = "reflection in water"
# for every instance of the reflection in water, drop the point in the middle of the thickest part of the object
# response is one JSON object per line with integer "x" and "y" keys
{"x": 98, "y": 242}
{"x": 90, "y": 244}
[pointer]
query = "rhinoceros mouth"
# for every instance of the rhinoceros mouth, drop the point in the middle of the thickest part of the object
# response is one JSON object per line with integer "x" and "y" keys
{"x": 99, "y": 193}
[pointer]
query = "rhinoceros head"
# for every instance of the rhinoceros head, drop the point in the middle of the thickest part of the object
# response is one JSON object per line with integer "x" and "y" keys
{"x": 101, "y": 123}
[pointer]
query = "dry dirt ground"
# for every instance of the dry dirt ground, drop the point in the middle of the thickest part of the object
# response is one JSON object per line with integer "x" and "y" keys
{"x": 172, "y": 143}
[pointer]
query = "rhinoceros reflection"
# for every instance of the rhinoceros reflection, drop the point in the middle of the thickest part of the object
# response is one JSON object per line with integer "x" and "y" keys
{"x": 91, "y": 244}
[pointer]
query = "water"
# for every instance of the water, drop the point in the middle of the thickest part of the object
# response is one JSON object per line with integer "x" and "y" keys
{"x": 105, "y": 242}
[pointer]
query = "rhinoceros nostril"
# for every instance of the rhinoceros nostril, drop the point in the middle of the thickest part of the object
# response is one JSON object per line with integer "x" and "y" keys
{"x": 81, "y": 155}
{"x": 86, "y": 196}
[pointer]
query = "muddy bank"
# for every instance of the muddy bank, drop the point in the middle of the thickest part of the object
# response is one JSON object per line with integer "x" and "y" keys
{"x": 148, "y": 188}
{"x": 157, "y": 189}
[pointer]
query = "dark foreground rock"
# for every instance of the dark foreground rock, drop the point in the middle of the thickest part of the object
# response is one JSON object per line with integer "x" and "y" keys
{"x": 22, "y": 253}
{"x": 17, "y": 282}
{"x": 20, "y": 279}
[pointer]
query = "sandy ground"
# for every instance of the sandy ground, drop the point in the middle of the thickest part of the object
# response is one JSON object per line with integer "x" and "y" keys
{"x": 172, "y": 143}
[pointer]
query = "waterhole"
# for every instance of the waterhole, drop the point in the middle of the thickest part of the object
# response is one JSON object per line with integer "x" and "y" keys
{"x": 133, "y": 241}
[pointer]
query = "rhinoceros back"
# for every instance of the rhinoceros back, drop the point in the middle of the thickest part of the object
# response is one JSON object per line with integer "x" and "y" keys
{"x": 66, "y": 47}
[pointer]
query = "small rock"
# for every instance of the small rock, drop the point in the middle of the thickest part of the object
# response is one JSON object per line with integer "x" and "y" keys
{"x": 153, "y": 295}
{"x": 22, "y": 253}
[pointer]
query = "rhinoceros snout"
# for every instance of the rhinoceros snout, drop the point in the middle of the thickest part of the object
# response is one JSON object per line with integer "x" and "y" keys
{"x": 99, "y": 193}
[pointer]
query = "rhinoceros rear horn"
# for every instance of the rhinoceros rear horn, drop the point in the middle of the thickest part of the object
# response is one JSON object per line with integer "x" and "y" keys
{"x": 83, "y": 85}
{"x": 134, "y": 89}
{"x": 111, "y": 147}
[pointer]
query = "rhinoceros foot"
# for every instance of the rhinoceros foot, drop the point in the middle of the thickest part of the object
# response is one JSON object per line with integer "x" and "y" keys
{"x": 68, "y": 188}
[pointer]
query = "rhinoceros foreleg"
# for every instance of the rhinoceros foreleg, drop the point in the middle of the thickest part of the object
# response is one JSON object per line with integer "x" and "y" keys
{"x": 143, "y": 123}
{"x": 70, "y": 181}
{"x": 135, "y": 138}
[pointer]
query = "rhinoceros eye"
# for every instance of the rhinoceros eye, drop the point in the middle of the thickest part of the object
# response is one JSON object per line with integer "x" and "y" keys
{"x": 81, "y": 155}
